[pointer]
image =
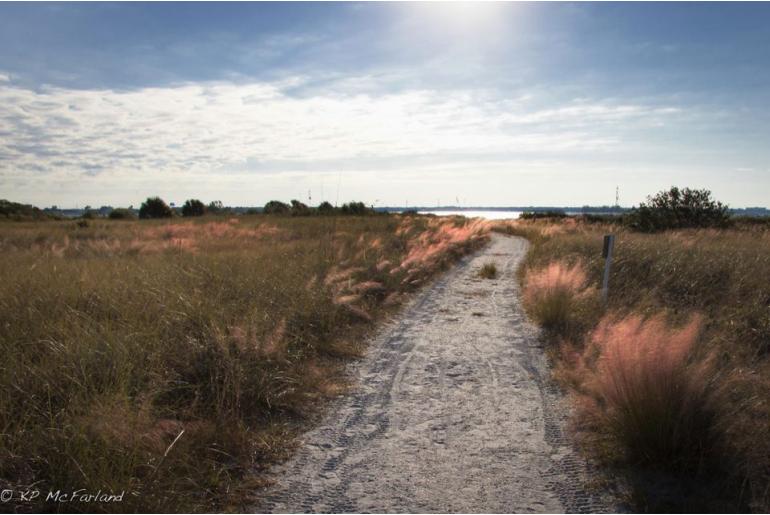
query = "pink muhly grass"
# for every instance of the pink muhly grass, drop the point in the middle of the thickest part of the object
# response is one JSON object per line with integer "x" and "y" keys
{"x": 556, "y": 276}
{"x": 430, "y": 247}
{"x": 367, "y": 287}
{"x": 550, "y": 293}
{"x": 357, "y": 312}
{"x": 342, "y": 300}
{"x": 335, "y": 275}
{"x": 392, "y": 299}
{"x": 655, "y": 403}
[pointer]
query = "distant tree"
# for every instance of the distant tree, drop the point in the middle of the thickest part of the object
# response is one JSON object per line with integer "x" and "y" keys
{"x": 325, "y": 208}
{"x": 299, "y": 209}
{"x": 355, "y": 208}
{"x": 155, "y": 207}
{"x": 16, "y": 211}
{"x": 216, "y": 207}
{"x": 122, "y": 214}
{"x": 193, "y": 207}
{"x": 276, "y": 207}
{"x": 679, "y": 208}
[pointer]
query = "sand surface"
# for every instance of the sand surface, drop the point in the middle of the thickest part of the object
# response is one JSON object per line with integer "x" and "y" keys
{"x": 452, "y": 411}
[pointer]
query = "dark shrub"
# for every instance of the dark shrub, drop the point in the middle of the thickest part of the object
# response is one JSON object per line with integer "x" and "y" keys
{"x": 534, "y": 215}
{"x": 594, "y": 218}
{"x": 217, "y": 208}
{"x": 299, "y": 209}
{"x": 276, "y": 207}
{"x": 678, "y": 209}
{"x": 325, "y": 208}
{"x": 16, "y": 211}
{"x": 155, "y": 207}
{"x": 193, "y": 207}
{"x": 356, "y": 208}
{"x": 122, "y": 213}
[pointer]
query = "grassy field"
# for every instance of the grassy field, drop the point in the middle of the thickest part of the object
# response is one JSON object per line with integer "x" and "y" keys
{"x": 175, "y": 360}
{"x": 672, "y": 377}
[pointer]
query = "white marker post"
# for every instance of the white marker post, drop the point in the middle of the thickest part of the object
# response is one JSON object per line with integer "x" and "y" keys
{"x": 609, "y": 242}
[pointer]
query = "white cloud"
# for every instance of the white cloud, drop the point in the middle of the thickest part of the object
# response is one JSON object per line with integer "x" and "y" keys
{"x": 207, "y": 131}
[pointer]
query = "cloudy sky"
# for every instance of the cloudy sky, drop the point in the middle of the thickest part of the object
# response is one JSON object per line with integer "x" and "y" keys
{"x": 486, "y": 104}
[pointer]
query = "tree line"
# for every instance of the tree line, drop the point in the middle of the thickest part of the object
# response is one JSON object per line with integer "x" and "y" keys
{"x": 156, "y": 207}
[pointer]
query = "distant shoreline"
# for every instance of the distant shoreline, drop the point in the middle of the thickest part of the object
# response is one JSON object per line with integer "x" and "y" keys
{"x": 597, "y": 210}
{"x": 570, "y": 210}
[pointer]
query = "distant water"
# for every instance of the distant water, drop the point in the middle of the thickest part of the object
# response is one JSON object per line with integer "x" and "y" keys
{"x": 489, "y": 215}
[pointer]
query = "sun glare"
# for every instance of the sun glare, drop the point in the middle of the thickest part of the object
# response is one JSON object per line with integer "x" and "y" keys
{"x": 460, "y": 19}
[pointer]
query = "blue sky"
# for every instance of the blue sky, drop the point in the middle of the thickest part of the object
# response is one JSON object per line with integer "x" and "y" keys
{"x": 491, "y": 104}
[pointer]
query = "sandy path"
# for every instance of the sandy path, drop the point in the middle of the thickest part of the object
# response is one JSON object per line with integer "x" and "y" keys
{"x": 453, "y": 412}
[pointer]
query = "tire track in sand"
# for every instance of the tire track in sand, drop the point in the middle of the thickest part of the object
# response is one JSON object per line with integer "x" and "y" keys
{"x": 453, "y": 412}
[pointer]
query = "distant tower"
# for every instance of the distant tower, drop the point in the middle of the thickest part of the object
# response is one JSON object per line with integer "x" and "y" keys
{"x": 309, "y": 198}
{"x": 617, "y": 196}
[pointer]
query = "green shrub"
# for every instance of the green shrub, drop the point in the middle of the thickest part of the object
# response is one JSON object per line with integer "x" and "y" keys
{"x": 299, "y": 209}
{"x": 679, "y": 209}
{"x": 155, "y": 207}
{"x": 216, "y": 207}
{"x": 534, "y": 215}
{"x": 16, "y": 211}
{"x": 356, "y": 208}
{"x": 193, "y": 207}
{"x": 122, "y": 214}
{"x": 276, "y": 207}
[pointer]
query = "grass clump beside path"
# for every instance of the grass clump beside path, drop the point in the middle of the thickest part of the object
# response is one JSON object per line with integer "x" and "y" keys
{"x": 671, "y": 377}
{"x": 488, "y": 271}
{"x": 174, "y": 360}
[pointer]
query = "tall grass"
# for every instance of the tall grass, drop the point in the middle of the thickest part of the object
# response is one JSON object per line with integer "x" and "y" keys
{"x": 693, "y": 402}
{"x": 176, "y": 360}
{"x": 550, "y": 293}
{"x": 642, "y": 389}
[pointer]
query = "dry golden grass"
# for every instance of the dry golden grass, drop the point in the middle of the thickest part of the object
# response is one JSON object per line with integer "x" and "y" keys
{"x": 692, "y": 402}
{"x": 556, "y": 294}
{"x": 176, "y": 360}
